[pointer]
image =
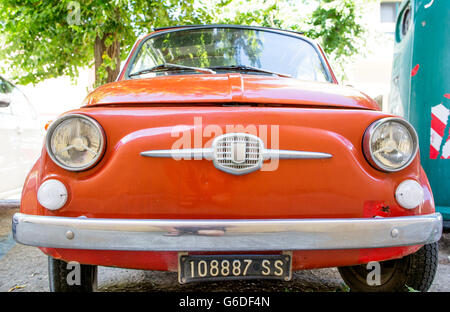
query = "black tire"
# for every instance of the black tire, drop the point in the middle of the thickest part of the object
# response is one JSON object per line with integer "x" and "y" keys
{"x": 413, "y": 272}
{"x": 62, "y": 276}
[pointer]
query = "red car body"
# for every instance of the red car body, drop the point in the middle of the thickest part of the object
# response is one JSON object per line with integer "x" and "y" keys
{"x": 140, "y": 114}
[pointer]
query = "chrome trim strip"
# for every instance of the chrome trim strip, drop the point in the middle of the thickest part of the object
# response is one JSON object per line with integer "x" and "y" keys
{"x": 255, "y": 160}
{"x": 287, "y": 154}
{"x": 187, "y": 153}
{"x": 208, "y": 153}
{"x": 129, "y": 55}
{"x": 225, "y": 235}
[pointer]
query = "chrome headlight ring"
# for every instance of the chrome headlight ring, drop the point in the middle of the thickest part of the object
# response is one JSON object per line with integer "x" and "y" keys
{"x": 80, "y": 142}
{"x": 371, "y": 131}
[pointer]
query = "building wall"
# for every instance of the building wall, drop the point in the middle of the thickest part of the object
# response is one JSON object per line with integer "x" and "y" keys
{"x": 371, "y": 71}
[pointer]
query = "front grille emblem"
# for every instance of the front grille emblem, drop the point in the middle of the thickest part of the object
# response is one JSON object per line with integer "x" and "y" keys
{"x": 238, "y": 153}
{"x": 235, "y": 153}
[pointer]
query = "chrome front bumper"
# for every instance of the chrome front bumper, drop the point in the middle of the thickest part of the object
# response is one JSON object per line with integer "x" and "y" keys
{"x": 225, "y": 235}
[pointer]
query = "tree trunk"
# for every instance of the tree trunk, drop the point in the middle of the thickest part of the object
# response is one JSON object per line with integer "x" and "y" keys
{"x": 113, "y": 52}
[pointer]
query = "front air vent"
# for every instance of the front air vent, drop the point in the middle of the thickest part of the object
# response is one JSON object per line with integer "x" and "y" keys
{"x": 238, "y": 153}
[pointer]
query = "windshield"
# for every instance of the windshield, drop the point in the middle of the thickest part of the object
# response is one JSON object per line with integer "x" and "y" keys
{"x": 228, "y": 50}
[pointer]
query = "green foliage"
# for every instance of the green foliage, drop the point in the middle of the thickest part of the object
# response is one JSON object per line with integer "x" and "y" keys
{"x": 343, "y": 288}
{"x": 410, "y": 289}
{"x": 334, "y": 22}
{"x": 48, "y": 38}
{"x": 268, "y": 15}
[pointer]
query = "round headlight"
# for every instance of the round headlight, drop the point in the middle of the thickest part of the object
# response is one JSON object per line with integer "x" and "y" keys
{"x": 390, "y": 144}
{"x": 75, "y": 142}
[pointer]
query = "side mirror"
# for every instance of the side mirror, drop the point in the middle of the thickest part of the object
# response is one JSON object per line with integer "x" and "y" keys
{"x": 379, "y": 99}
{"x": 4, "y": 101}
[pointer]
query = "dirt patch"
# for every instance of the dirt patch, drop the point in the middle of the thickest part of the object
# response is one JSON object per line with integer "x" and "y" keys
{"x": 5, "y": 220}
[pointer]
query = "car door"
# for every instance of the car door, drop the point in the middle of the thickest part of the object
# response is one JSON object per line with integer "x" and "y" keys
{"x": 10, "y": 168}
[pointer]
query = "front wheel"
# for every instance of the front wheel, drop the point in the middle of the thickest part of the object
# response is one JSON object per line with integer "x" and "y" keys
{"x": 413, "y": 272}
{"x": 71, "y": 277}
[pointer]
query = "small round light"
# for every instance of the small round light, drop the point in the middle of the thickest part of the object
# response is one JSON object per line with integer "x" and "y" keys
{"x": 409, "y": 194}
{"x": 390, "y": 144}
{"x": 52, "y": 194}
{"x": 75, "y": 142}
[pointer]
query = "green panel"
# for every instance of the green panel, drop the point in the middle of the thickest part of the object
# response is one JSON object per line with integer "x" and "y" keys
{"x": 445, "y": 212}
{"x": 426, "y": 48}
{"x": 401, "y": 69}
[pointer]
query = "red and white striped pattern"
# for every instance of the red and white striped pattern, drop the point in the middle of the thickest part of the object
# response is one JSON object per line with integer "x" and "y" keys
{"x": 439, "y": 119}
{"x": 446, "y": 149}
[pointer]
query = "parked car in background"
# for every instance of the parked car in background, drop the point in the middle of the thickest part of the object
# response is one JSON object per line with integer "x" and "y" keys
{"x": 20, "y": 139}
{"x": 421, "y": 88}
{"x": 231, "y": 152}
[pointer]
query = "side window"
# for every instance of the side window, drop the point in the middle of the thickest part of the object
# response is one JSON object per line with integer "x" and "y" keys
{"x": 403, "y": 23}
{"x": 406, "y": 21}
{"x": 5, "y": 86}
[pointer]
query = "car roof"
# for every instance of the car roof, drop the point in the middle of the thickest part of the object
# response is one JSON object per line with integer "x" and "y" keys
{"x": 291, "y": 33}
{"x": 230, "y": 26}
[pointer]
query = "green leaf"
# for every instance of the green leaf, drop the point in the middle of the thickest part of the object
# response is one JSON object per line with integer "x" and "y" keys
{"x": 46, "y": 39}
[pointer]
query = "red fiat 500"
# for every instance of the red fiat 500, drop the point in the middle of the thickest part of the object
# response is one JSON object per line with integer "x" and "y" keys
{"x": 231, "y": 152}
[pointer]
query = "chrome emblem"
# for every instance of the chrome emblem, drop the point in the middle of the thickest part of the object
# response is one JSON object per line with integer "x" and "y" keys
{"x": 235, "y": 153}
{"x": 238, "y": 152}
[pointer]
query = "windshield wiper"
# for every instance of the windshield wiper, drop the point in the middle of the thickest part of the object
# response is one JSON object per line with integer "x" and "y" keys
{"x": 249, "y": 69}
{"x": 169, "y": 66}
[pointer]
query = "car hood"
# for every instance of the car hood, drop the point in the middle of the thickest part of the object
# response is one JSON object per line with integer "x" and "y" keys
{"x": 231, "y": 88}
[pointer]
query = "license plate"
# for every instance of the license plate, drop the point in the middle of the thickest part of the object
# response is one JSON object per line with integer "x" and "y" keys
{"x": 193, "y": 268}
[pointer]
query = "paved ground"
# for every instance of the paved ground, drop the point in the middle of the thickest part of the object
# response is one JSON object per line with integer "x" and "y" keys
{"x": 24, "y": 268}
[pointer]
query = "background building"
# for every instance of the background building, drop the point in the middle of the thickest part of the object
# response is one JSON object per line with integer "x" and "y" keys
{"x": 371, "y": 71}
